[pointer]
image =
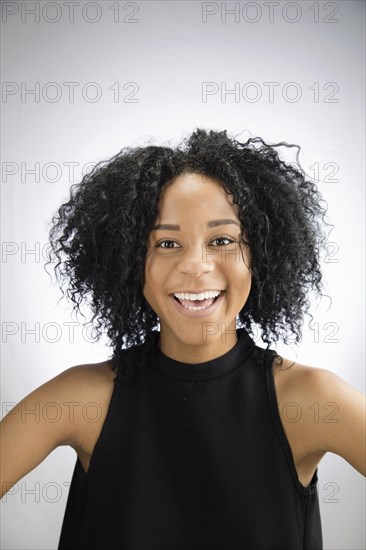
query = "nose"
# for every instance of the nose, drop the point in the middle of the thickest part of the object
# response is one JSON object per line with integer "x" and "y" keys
{"x": 195, "y": 261}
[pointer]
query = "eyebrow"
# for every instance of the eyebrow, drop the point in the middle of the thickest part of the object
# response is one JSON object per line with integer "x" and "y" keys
{"x": 212, "y": 223}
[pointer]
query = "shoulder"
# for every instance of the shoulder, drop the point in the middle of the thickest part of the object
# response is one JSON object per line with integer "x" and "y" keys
{"x": 85, "y": 381}
{"x": 308, "y": 382}
{"x": 91, "y": 371}
{"x": 332, "y": 411}
{"x": 303, "y": 380}
{"x": 89, "y": 382}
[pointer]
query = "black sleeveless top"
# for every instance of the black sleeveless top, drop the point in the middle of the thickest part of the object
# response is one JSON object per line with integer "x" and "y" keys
{"x": 193, "y": 457}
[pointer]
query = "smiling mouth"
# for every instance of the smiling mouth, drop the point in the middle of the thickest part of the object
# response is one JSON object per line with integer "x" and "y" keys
{"x": 196, "y": 305}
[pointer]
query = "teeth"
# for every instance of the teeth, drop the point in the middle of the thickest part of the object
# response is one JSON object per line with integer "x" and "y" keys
{"x": 196, "y": 308}
{"x": 201, "y": 296}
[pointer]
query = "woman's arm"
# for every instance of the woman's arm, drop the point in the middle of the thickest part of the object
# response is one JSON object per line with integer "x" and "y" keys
{"x": 29, "y": 432}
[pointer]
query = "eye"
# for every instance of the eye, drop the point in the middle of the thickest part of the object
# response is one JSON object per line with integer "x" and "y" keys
{"x": 158, "y": 245}
{"x": 222, "y": 238}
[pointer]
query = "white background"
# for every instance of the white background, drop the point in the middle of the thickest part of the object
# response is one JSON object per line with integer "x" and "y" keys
{"x": 169, "y": 49}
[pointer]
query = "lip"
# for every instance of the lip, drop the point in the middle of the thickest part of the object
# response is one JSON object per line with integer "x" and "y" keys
{"x": 196, "y": 291}
{"x": 200, "y": 312}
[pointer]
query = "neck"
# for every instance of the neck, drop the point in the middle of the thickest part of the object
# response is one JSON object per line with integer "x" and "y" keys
{"x": 191, "y": 347}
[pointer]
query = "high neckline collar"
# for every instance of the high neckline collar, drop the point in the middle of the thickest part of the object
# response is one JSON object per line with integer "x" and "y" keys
{"x": 209, "y": 369}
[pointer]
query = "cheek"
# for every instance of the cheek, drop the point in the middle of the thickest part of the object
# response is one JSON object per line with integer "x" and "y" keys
{"x": 239, "y": 278}
{"x": 153, "y": 278}
{"x": 241, "y": 283}
{"x": 242, "y": 279}
{"x": 237, "y": 267}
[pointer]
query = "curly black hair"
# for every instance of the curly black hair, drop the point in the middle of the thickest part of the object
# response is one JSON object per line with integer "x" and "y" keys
{"x": 99, "y": 237}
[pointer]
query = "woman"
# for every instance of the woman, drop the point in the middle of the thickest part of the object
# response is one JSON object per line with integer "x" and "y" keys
{"x": 196, "y": 445}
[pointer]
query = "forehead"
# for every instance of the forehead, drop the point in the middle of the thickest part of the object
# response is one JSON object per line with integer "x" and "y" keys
{"x": 195, "y": 192}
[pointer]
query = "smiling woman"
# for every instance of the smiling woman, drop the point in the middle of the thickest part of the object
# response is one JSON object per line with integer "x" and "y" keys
{"x": 101, "y": 238}
{"x": 192, "y": 450}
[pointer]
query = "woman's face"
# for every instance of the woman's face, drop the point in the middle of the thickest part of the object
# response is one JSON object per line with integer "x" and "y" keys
{"x": 195, "y": 247}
